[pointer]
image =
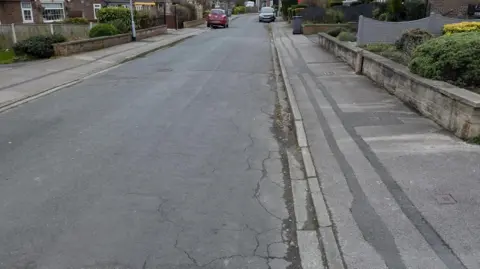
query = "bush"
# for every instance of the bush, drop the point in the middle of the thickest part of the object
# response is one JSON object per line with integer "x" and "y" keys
{"x": 388, "y": 51}
{"x": 109, "y": 14}
{"x": 58, "y": 38}
{"x": 332, "y": 3}
{"x": 103, "y": 29}
{"x": 76, "y": 21}
{"x": 334, "y": 16}
{"x": 411, "y": 39}
{"x": 467, "y": 26}
{"x": 36, "y": 46}
{"x": 336, "y": 31}
{"x": 452, "y": 58}
{"x": 206, "y": 12}
{"x": 298, "y": 11}
{"x": 395, "y": 9}
{"x": 121, "y": 26}
{"x": 414, "y": 10}
{"x": 239, "y": 10}
{"x": 347, "y": 36}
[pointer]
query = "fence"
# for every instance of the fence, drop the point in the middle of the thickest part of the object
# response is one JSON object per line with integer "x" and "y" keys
{"x": 12, "y": 33}
{"x": 350, "y": 13}
{"x": 373, "y": 31}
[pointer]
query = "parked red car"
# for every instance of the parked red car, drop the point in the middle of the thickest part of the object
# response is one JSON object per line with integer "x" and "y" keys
{"x": 217, "y": 17}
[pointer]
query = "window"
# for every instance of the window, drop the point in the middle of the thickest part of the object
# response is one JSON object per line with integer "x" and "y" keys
{"x": 27, "y": 13}
{"x": 53, "y": 12}
{"x": 96, "y": 8}
{"x": 138, "y": 8}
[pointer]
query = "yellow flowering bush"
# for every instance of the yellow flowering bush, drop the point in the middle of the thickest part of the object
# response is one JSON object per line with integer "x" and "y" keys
{"x": 461, "y": 27}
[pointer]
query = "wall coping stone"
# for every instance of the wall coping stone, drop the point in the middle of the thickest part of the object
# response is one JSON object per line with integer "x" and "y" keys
{"x": 459, "y": 94}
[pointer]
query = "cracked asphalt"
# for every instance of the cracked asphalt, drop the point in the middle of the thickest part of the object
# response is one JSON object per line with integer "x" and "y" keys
{"x": 168, "y": 161}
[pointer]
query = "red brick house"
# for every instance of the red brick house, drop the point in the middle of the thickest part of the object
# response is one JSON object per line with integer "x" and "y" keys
{"x": 452, "y": 8}
{"x": 45, "y": 11}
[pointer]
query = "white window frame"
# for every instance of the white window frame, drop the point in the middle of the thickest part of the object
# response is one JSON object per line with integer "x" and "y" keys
{"x": 57, "y": 3}
{"x": 96, "y": 8}
{"x": 26, "y": 9}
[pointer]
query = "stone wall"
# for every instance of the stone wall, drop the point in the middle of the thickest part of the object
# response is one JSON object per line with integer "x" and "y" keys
{"x": 78, "y": 46}
{"x": 455, "y": 109}
{"x": 195, "y": 23}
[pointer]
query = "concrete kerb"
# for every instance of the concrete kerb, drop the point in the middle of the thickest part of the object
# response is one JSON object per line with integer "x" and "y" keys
{"x": 30, "y": 97}
{"x": 328, "y": 241}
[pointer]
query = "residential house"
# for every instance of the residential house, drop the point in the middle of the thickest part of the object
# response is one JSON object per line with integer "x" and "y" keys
{"x": 46, "y": 11}
{"x": 452, "y": 8}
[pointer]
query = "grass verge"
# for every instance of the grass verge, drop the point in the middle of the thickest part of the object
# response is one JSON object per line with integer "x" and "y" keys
{"x": 7, "y": 56}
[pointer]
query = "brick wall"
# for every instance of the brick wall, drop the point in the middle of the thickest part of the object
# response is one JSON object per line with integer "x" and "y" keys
{"x": 78, "y": 46}
{"x": 10, "y": 12}
{"x": 451, "y": 8}
{"x": 76, "y": 8}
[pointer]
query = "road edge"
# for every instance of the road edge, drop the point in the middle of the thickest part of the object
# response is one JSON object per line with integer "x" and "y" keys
{"x": 328, "y": 241}
{"x": 30, "y": 97}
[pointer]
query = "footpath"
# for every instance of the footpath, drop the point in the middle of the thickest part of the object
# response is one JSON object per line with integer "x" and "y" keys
{"x": 24, "y": 81}
{"x": 396, "y": 190}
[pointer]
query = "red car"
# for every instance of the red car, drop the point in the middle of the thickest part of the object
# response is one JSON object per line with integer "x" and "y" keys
{"x": 217, "y": 17}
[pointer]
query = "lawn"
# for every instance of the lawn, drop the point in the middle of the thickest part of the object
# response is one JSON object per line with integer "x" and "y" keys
{"x": 7, "y": 56}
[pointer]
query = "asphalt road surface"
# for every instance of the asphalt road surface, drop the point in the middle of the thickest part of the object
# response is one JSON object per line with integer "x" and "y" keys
{"x": 168, "y": 161}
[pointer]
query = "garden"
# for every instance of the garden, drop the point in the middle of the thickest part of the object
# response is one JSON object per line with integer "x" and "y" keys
{"x": 112, "y": 21}
{"x": 451, "y": 57}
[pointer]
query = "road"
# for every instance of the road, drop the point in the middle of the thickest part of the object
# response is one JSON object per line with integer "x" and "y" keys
{"x": 168, "y": 161}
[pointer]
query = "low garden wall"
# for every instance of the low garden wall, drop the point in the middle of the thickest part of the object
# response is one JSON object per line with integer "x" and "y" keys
{"x": 314, "y": 28}
{"x": 78, "y": 46}
{"x": 195, "y": 23}
{"x": 454, "y": 108}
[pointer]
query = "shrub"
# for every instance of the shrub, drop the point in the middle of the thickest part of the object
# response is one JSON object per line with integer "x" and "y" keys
{"x": 451, "y": 58}
{"x": 414, "y": 10}
{"x": 347, "y": 36}
{"x": 467, "y": 26}
{"x": 334, "y": 16}
{"x": 239, "y": 10}
{"x": 103, "y": 29}
{"x": 336, "y": 31}
{"x": 206, "y": 12}
{"x": 298, "y": 10}
{"x": 58, "y": 38}
{"x": 36, "y": 46}
{"x": 76, "y": 21}
{"x": 395, "y": 8}
{"x": 122, "y": 26}
{"x": 384, "y": 17}
{"x": 108, "y": 14}
{"x": 332, "y": 3}
{"x": 388, "y": 51}
{"x": 411, "y": 39}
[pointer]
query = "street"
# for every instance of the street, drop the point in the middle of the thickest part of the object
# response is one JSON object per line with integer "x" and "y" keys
{"x": 168, "y": 161}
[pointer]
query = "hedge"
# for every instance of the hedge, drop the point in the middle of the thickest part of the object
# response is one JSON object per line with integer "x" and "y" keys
{"x": 467, "y": 26}
{"x": 38, "y": 46}
{"x": 451, "y": 58}
{"x": 103, "y": 29}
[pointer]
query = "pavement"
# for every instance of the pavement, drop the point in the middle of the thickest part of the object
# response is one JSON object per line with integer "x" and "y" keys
{"x": 172, "y": 160}
{"x": 24, "y": 80}
{"x": 400, "y": 192}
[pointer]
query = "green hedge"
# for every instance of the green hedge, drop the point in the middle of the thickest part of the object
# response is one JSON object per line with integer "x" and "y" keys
{"x": 108, "y": 14}
{"x": 347, "y": 36}
{"x": 76, "y": 21}
{"x": 103, "y": 29}
{"x": 452, "y": 58}
{"x": 38, "y": 46}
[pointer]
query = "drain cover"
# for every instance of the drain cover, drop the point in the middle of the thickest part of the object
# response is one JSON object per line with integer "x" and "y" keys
{"x": 445, "y": 199}
{"x": 327, "y": 73}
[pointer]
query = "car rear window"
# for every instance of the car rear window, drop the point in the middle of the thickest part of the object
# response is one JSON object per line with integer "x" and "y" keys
{"x": 217, "y": 12}
{"x": 267, "y": 10}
